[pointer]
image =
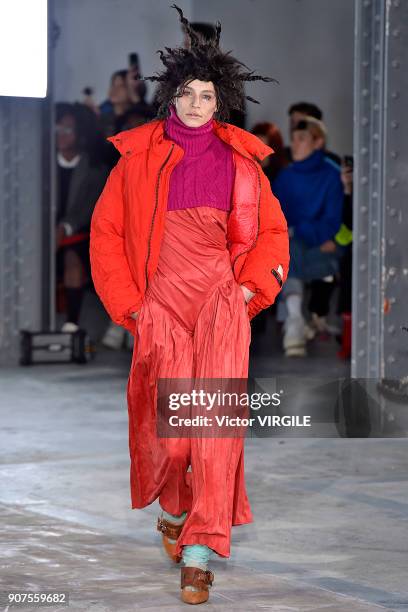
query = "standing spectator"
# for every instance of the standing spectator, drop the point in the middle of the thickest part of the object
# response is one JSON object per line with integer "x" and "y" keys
{"x": 117, "y": 104}
{"x": 125, "y": 108}
{"x": 80, "y": 180}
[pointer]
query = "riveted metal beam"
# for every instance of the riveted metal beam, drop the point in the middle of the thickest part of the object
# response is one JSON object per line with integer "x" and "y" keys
{"x": 380, "y": 265}
{"x": 27, "y": 191}
{"x": 20, "y": 219}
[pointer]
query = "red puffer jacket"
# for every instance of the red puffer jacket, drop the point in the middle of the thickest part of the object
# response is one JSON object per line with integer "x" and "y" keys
{"x": 128, "y": 220}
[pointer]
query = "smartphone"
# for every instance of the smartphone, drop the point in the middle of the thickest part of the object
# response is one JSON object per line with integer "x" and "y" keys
{"x": 134, "y": 60}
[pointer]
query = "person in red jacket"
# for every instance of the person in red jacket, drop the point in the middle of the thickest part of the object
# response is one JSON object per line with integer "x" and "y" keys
{"x": 188, "y": 244}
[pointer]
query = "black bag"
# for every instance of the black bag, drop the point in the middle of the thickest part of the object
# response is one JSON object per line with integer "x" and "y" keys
{"x": 55, "y": 347}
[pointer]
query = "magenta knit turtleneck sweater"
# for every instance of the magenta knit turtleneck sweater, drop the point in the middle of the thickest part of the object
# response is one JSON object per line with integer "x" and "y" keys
{"x": 204, "y": 176}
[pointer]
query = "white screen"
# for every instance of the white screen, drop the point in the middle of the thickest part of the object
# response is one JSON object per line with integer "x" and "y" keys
{"x": 23, "y": 48}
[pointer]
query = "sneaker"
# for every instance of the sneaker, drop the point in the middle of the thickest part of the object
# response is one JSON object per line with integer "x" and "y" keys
{"x": 294, "y": 338}
{"x": 321, "y": 326}
{"x": 113, "y": 337}
{"x": 69, "y": 327}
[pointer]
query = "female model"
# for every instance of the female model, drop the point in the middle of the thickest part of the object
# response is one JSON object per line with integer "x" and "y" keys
{"x": 188, "y": 244}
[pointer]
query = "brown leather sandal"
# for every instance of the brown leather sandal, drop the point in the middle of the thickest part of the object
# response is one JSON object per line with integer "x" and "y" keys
{"x": 172, "y": 531}
{"x": 198, "y": 578}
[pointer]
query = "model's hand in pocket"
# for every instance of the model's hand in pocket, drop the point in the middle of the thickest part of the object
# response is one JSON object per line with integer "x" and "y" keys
{"x": 134, "y": 315}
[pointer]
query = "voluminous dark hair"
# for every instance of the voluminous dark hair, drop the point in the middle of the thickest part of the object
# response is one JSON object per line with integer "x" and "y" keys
{"x": 206, "y": 29}
{"x": 205, "y": 61}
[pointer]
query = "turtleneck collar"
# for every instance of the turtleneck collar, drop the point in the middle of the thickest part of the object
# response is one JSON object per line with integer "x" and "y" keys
{"x": 194, "y": 140}
{"x": 313, "y": 162}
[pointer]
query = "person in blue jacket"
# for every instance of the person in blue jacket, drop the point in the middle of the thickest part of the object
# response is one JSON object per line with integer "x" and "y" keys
{"x": 311, "y": 195}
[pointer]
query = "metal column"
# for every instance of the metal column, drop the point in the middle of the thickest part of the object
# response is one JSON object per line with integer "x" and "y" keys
{"x": 380, "y": 249}
{"x": 27, "y": 188}
{"x": 20, "y": 221}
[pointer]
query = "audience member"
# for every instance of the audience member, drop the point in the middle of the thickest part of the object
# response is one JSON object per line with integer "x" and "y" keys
{"x": 299, "y": 111}
{"x": 118, "y": 101}
{"x": 270, "y": 135}
{"x": 80, "y": 179}
{"x": 311, "y": 195}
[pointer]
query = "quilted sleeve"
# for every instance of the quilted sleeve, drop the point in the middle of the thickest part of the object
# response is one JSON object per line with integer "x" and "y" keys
{"x": 110, "y": 270}
{"x": 261, "y": 272}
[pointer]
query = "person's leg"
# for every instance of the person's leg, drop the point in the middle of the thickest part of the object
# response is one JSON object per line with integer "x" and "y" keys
{"x": 346, "y": 271}
{"x": 281, "y": 310}
{"x": 196, "y": 555}
{"x": 159, "y": 463}
{"x": 221, "y": 347}
{"x": 321, "y": 293}
{"x": 175, "y": 495}
{"x": 317, "y": 265}
{"x": 306, "y": 264}
{"x": 344, "y": 303}
{"x": 321, "y": 269}
{"x": 291, "y": 297}
{"x": 294, "y": 336}
{"x": 174, "y": 518}
{"x": 171, "y": 525}
{"x": 74, "y": 284}
{"x": 319, "y": 305}
{"x": 162, "y": 349}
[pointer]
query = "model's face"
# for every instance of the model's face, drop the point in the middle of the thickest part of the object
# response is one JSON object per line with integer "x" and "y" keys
{"x": 303, "y": 144}
{"x": 197, "y": 104}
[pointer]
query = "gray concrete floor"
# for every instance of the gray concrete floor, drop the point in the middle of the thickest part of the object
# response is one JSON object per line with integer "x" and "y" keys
{"x": 331, "y": 515}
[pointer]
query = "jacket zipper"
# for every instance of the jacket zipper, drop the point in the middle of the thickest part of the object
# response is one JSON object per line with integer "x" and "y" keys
{"x": 257, "y": 231}
{"x": 155, "y": 209}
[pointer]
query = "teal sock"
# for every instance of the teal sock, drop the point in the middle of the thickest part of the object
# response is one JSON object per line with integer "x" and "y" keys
{"x": 196, "y": 555}
{"x": 173, "y": 518}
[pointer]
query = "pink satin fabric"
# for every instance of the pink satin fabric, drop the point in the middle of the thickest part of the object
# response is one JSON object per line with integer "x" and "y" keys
{"x": 193, "y": 323}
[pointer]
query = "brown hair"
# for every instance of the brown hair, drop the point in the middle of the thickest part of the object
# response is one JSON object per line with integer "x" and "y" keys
{"x": 314, "y": 126}
{"x": 274, "y": 139}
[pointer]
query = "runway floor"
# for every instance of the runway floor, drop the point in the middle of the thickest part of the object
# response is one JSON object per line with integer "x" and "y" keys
{"x": 331, "y": 515}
